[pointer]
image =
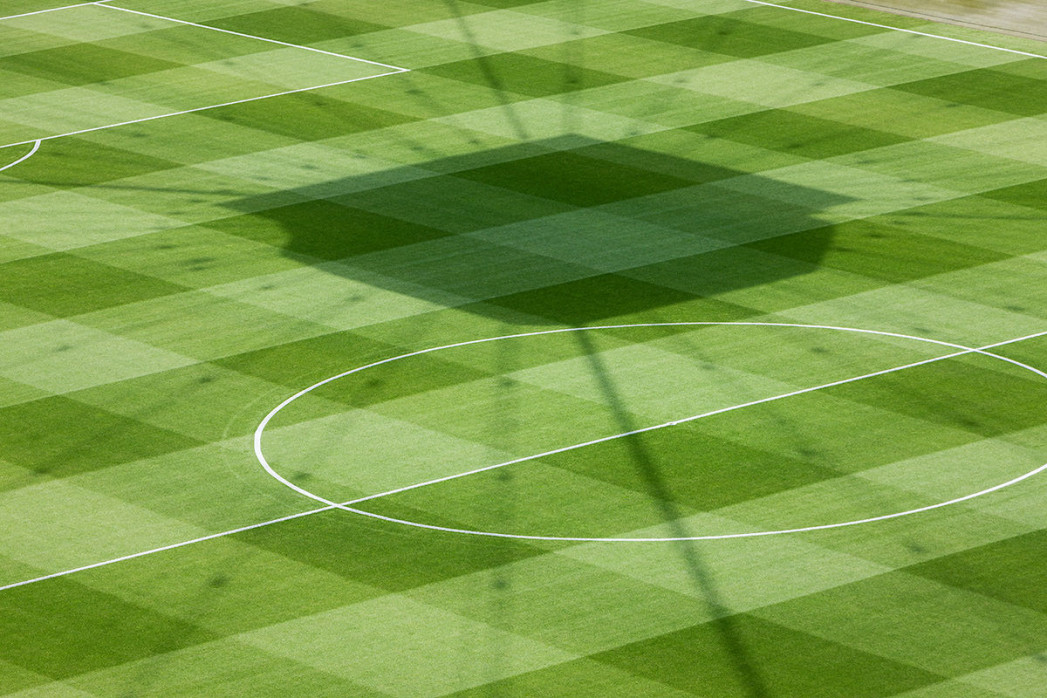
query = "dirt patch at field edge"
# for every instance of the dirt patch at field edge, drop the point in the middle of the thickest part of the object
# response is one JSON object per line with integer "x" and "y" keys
{"x": 1027, "y": 18}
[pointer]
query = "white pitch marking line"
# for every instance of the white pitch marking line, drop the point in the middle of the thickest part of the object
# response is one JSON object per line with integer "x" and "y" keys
{"x": 897, "y": 29}
{"x": 251, "y": 36}
{"x": 31, "y": 153}
{"x": 675, "y": 539}
{"x": 642, "y": 430}
{"x": 162, "y": 548}
{"x": 53, "y": 9}
{"x": 346, "y": 505}
{"x": 210, "y": 106}
{"x": 393, "y": 70}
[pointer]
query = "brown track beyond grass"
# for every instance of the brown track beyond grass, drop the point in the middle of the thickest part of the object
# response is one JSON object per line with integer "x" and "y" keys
{"x": 1026, "y": 18}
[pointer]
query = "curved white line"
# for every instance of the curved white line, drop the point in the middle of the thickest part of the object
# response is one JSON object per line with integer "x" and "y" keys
{"x": 347, "y": 506}
{"x": 721, "y": 536}
{"x": 31, "y": 153}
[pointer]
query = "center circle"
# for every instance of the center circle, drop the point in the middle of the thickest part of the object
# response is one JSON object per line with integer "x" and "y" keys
{"x": 957, "y": 350}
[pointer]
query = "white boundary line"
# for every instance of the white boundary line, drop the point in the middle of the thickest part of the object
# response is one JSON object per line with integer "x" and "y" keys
{"x": 162, "y": 548}
{"x": 31, "y": 153}
{"x": 393, "y": 70}
{"x": 53, "y": 9}
{"x": 347, "y": 506}
{"x": 251, "y": 36}
{"x": 199, "y": 109}
{"x": 898, "y": 29}
{"x": 330, "y": 507}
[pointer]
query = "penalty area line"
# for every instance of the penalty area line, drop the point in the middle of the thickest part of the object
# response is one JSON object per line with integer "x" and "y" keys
{"x": 101, "y": 3}
{"x": 392, "y": 70}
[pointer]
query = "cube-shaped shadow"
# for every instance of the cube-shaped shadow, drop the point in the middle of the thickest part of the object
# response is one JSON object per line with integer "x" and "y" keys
{"x": 563, "y": 231}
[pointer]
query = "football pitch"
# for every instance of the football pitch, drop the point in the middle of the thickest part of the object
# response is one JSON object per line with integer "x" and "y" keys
{"x": 520, "y": 348}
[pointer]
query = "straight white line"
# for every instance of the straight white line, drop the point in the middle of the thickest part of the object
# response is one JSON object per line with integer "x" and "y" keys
{"x": 251, "y": 36}
{"x": 722, "y": 410}
{"x": 36, "y": 147}
{"x": 53, "y": 9}
{"x": 331, "y": 506}
{"x": 172, "y": 546}
{"x": 393, "y": 70}
{"x": 897, "y": 29}
{"x": 199, "y": 109}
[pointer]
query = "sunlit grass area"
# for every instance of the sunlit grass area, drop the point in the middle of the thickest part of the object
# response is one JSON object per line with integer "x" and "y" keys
{"x": 511, "y": 348}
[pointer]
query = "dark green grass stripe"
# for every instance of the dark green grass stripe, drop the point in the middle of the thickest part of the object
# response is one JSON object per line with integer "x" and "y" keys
{"x": 627, "y": 55}
{"x": 505, "y": 4}
{"x": 698, "y": 470}
{"x": 574, "y": 179}
{"x": 83, "y": 64}
{"x": 296, "y": 25}
{"x": 453, "y": 204}
{"x": 976, "y": 221}
{"x": 986, "y": 88}
{"x": 61, "y": 628}
{"x": 521, "y": 74}
{"x": 304, "y": 362}
{"x": 900, "y": 615}
{"x": 740, "y": 268}
{"x": 745, "y": 656}
{"x": 300, "y": 364}
{"x": 308, "y": 116}
{"x": 797, "y": 134}
{"x": 326, "y": 230}
{"x": 185, "y": 44}
{"x": 879, "y": 251}
{"x": 603, "y": 297}
{"x": 59, "y": 437}
{"x": 399, "y": 380}
{"x": 621, "y": 161}
{"x": 18, "y": 84}
{"x": 74, "y": 162}
{"x": 730, "y": 36}
{"x": 61, "y": 284}
{"x": 387, "y": 556}
{"x": 958, "y": 394}
{"x": 579, "y": 677}
{"x": 903, "y": 111}
{"x": 1031, "y": 194}
{"x": 1010, "y": 570}
{"x": 829, "y": 27}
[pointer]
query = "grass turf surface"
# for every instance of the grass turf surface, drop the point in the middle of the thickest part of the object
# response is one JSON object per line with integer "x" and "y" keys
{"x": 543, "y": 165}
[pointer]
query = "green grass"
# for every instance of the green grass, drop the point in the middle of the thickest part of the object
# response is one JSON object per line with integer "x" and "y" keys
{"x": 165, "y": 284}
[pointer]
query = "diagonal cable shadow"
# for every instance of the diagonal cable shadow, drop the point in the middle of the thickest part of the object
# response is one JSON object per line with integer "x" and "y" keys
{"x": 658, "y": 490}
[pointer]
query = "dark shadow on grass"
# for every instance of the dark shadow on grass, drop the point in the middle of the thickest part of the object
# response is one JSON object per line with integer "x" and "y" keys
{"x": 561, "y": 231}
{"x": 566, "y": 231}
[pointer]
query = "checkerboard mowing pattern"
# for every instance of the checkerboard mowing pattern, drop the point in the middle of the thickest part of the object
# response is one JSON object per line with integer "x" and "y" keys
{"x": 591, "y": 347}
